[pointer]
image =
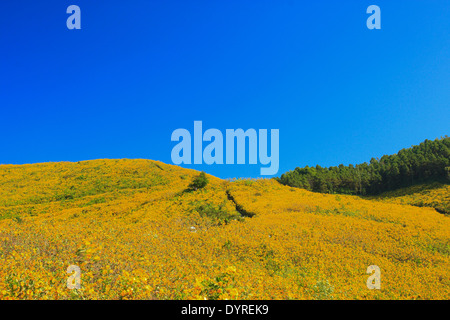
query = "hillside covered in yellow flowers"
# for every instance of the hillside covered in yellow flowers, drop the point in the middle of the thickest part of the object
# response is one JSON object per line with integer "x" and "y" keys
{"x": 137, "y": 231}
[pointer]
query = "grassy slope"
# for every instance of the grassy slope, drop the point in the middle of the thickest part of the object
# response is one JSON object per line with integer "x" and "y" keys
{"x": 435, "y": 195}
{"x": 136, "y": 234}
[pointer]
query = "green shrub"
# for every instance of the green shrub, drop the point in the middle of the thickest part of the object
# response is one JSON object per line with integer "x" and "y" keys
{"x": 199, "y": 182}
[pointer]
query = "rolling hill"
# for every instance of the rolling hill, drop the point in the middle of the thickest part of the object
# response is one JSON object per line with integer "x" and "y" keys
{"x": 137, "y": 231}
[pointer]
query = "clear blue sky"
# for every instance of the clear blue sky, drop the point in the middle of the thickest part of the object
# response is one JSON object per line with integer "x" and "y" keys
{"x": 137, "y": 70}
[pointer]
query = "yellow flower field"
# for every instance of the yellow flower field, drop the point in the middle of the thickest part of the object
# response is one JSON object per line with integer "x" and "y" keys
{"x": 434, "y": 195}
{"x": 137, "y": 233}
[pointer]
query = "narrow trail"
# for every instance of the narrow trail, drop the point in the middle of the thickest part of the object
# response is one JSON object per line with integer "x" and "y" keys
{"x": 239, "y": 208}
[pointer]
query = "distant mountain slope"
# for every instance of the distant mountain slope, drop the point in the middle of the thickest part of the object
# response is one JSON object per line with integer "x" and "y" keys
{"x": 429, "y": 161}
{"x": 137, "y": 231}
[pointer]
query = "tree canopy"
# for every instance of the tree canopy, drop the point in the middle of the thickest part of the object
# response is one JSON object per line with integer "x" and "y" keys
{"x": 429, "y": 161}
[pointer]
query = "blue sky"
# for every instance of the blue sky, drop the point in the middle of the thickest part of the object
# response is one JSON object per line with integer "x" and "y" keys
{"x": 137, "y": 70}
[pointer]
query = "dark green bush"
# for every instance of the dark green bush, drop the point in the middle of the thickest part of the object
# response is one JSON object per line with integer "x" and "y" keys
{"x": 199, "y": 182}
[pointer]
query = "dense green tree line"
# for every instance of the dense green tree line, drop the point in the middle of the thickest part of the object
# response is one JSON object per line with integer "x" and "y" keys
{"x": 426, "y": 162}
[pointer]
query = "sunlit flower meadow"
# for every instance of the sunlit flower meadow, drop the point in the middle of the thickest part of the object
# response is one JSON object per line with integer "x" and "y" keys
{"x": 137, "y": 232}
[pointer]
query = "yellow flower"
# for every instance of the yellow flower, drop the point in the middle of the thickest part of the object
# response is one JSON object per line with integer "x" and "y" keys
{"x": 231, "y": 269}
